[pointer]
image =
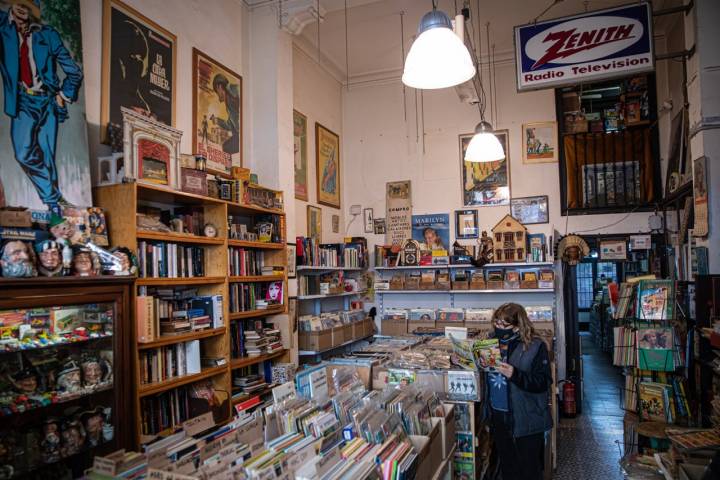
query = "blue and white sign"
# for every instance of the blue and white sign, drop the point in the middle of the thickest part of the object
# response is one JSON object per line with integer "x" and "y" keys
{"x": 596, "y": 45}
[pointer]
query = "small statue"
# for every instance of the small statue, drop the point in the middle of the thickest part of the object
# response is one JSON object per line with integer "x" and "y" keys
{"x": 73, "y": 438}
{"x": 17, "y": 260}
{"x": 62, "y": 230}
{"x": 49, "y": 258}
{"x": 50, "y": 443}
{"x": 485, "y": 253}
{"x": 26, "y": 381}
{"x": 69, "y": 378}
{"x": 92, "y": 372}
{"x": 85, "y": 262}
{"x": 128, "y": 261}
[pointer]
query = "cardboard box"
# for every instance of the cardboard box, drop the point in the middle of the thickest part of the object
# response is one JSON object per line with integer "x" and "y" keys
{"x": 15, "y": 217}
{"x": 338, "y": 335}
{"x": 429, "y": 450}
{"x": 348, "y": 333}
{"x": 393, "y": 327}
{"x": 415, "y": 324}
{"x": 315, "y": 341}
{"x": 447, "y": 429}
{"x": 461, "y": 285}
{"x": 193, "y": 181}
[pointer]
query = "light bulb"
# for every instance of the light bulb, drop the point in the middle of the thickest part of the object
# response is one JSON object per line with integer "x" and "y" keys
{"x": 484, "y": 146}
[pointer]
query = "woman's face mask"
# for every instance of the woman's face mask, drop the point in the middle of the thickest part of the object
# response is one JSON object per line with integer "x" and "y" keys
{"x": 504, "y": 333}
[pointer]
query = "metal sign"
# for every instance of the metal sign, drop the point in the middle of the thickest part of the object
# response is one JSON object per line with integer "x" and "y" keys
{"x": 591, "y": 46}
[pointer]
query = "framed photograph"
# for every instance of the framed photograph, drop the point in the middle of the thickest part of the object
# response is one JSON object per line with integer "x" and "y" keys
{"x": 217, "y": 113}
{"x": 485, "y": 183}
{"x": 314, "y": 223}
{"x": 613, "y": 250}
{"x": 291, "y": 251}
{"x": 327, "y": 156}
{"x": 466, "y": 224}
{"x": 335, "y": 223}
{"x": 138, "y": 67}
{"x": 529, "y": 210}
{"x": 379, "y": 226}
{"x": 540, "y": 142}
{"x": 368, "y": 220}
{"x": 300, "y": 149}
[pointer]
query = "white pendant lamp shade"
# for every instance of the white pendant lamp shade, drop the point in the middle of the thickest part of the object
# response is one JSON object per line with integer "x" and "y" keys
{"x": 438, "y": 58}
{"x": 484, "y": 146}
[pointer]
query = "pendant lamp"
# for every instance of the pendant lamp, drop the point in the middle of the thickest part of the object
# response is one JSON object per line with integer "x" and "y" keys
{"x": 438, "y": 57}
{"x": 484, "y": 146}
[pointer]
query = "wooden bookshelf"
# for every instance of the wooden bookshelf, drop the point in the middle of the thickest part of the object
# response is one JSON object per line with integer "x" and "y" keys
{"x": 120, "y": 203}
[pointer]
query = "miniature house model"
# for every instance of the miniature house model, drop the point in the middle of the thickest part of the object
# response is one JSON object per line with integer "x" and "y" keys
{"x": 510, "y": 238}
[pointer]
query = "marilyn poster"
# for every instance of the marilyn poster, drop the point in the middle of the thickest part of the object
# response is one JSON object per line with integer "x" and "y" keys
{"x": 398, "y": 212}
{"x": 300, "y": 148}
{"x": 217, "y": 116}
{"x": 138, "y": 70}
{"x": 43, "y": 134}
{"x": 485, "y": 183}
{"x": 432, "y": 231}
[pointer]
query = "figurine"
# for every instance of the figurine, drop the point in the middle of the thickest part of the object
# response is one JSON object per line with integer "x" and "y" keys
{"x": 485, "y": 255}
{"x": 50, "y": 443}
{"x": 73, "y": 438}
{"x": 69, "y": 378}
{"x": 62, "y": 231}
{"x": 85, "y": 262}
{"x": 92, "y": 372}
{"x": 17, "y": 260}
{"x": 49, "y": 258}
{"x": 94, "y": 423}
{"x": 128, "y": 261}
{"x": 26, "y": 381}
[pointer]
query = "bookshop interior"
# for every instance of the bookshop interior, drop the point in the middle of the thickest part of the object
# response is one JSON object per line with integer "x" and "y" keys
{"x": 360, "y": 239}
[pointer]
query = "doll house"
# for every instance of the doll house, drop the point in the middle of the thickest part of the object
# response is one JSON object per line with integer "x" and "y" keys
{"x": 510, "y": 239}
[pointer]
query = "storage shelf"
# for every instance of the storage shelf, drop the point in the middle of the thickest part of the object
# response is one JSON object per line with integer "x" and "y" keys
{"x": 318, "y": 269}
{"x": 256, "y": 278}
{"x": 71, "y": 341}
{"x": 64, "y": 399}
{"x": 162, "y": 281}
{"x": 332, "y": 295}
{"x": 179, "y": 238}
{"x": 307, "y": 353}
{"x": 262, "y": 245}
{"x": 263, "y": 312}
{"x": 247, "y": 361}
{"x": 244, "y": 208}
{"x": 154, "y": 388}
{"x": 507, "y": 290}
{"x": 183, "y": 337}
{"x": 451, "y": 267}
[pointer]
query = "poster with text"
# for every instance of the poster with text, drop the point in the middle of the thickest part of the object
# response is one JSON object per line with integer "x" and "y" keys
{"x": 327, "y": 155}
{"x": 43, "y": 132}
{"x": 398, "y": 212}
{"x": 217, "y": 113}
{"x": 138, "y": 70}
{"x": 300, "y": 149}
{"x": 485, "y": 183}
{"x": 432, "y": 231}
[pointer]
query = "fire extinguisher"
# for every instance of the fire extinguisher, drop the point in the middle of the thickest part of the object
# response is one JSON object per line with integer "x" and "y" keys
{"x": 569, "y": 405}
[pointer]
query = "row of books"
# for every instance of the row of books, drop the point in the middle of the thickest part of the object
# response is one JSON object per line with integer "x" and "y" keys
{"x": 170, "y": 260}
{"x": 164, "y": 363}
{"x": 242, "y": 261}
{"x": 536, "y": 313}
{"x": 331, "y": 283}
{"x": 646, "y": 299}
{"x": 245, "y": 297}
{"x": 655, "y": 349}
{"x": 351, "y": 254}
{"x": 168, "y": 410}
{"x": 169, "y": 312}
{"x": 253, "y": 338}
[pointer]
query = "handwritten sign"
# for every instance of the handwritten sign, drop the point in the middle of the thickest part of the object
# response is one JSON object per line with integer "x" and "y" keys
{"x": 398, "y": 212}
{"x": 283, "y": 392}
{"x": 155, "y": 474}
{"x": 199, "y": 424}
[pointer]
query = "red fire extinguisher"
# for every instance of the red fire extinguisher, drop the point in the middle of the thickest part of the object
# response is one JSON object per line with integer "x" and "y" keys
{"x": 568, "y": 401}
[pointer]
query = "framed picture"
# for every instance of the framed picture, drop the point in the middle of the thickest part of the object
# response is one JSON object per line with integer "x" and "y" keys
{"x": 291, "y": 251}
{"x": 613, "y": 250}
{"x": 335, "y": 223}
{"x": 300, "y": 148}
{"x": 540, "y": 142}
{"x": 217, "y": 113}
{"x": 368, "y": 220}
{"x": 327, "y": 156}
{"x": 466, "y": 224}
{"x": 485, "y": 183}
{"x": 138, "y": 67}
{"x": 432, "y": 231}
{"x": 529, "y": 210}
{"x": 379, "y": 226}
{"x": 314, "y": 223}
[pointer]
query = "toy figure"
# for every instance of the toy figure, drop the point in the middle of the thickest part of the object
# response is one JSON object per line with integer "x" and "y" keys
{"x": 17, "y": 260}
{"x": 50, "y": 443}
{"x": 26, "y": 381}
{"x": 85, "y": 263}
{"x": 69, "y": 378}
{"x": 92, "y": 372}
{"x": 49, "y": 258}
{"x": 128, "y": 261}
{"x": 94, "y": 423}
{"x": 486, "y": 250}
{"x": 62, "y": 231}
{"x": 73, "y": 438}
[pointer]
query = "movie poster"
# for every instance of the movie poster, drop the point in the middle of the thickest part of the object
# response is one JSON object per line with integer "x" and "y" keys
{"x": 43, "y": 133}
{"x": 217, "y": 117}
{"x": 485, "y": 183}
{"x": 432, "y": 231}
{"x": 327, "y": 153}
{"x": 138, "y": 66}
{"x": 300, "y": 148}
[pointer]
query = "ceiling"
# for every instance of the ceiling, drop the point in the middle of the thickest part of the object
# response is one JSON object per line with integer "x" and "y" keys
{"x": 374, "y": 26}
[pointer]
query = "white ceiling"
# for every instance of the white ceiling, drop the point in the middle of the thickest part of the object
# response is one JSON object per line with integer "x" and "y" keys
{"x": 373, "y": 28}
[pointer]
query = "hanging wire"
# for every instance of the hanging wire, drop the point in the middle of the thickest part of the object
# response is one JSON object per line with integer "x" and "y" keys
{"x": 347, "y": 56}
{"x": 494, "y": 79}
{"x": 317, "y": 12}
{"x": 422, "y": 117}
{"x": 547, "y": 9}
{"x": 402, "y": 60}
{"x": 490, "y": 81}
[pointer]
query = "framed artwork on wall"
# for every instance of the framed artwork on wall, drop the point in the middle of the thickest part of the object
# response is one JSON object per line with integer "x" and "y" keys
{"x": 314, "y": 223}
{"x": 529, "y": 210}
{"x": 327, "y": 156}
{"x": 138, "y": 67}
{"x": 613, "y": 250}
{"x": 466, "y": 224}
{"x": 291, "y": 251}
{"x": 335, "y": 223}
{"x": 217, "y": 113}
{"x": 300, "y": 148}
{"x": 540, "y": 142}
{"x": 368, "y": 220}
{"x": 487, "y": 183}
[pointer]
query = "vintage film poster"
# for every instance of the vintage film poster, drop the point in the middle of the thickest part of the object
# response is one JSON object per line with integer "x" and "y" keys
{"x": 314, "y": 223}
{"x": 700, "y": 194}
{"x": 138, "y": 69}
{"x": 530, "y": 210}
{"x": 432, "y": 231}
{"x": 540, "y": 142}
{"x": 486, "y": 183}
{"x": 300, "y": 149}
{"x": 398, "y": 212}
{"x": 57, "y": 131}
{"x": 327, "y": 156}
{"x": 217, "y": 113}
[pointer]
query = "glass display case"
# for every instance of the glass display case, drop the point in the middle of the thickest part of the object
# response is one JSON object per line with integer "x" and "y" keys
{"x": 63, "y": 394}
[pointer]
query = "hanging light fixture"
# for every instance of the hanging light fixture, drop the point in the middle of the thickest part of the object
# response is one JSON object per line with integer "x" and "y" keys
{"x": 438, "y": 57}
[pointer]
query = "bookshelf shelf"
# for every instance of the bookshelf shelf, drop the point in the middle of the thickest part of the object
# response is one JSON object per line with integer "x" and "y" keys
{"x": 160, "y": 194}
{"x": 179, "y": 238}
{"x": 332, "y": 295}
{"x": 251, "y": 209}
{"x": 247, "y": 361}
{"x": 255, "y": 278}
{"x": 258, "y": 245}
{"x": 461, "y": 292}
{"x": 247, "y": 396}
{"x": 184, "y": 337}
{"x": 257, "y": 313}
{"x": 154, "y": 388}
{"x": 519, "y": 265}
{"x": 162, "y": 281}
{"x": 308, "y": 353}
{"x": 318, "y": 269}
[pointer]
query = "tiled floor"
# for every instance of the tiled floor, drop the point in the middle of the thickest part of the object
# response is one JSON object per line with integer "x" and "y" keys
{"x": 589, "y": 446}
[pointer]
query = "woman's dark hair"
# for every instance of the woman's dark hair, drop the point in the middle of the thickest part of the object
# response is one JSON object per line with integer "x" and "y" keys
{"x": 515, "y": 315}
{"x": 219, "y": 80}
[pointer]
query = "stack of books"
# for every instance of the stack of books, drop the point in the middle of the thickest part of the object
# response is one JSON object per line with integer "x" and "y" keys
{"x": 255, "y": 343}
{"x": 164, "y": 363}
{"x": 166, "y": 312}
{"x": 170, "y": 260}
{"x": 250, "y": 384}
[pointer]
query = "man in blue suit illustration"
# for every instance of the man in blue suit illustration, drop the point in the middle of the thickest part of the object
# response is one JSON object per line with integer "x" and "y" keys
{"x": 35, "y": 97}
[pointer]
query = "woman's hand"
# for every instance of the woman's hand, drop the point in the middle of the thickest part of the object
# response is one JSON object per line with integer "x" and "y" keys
{"x": 505, "y": 368}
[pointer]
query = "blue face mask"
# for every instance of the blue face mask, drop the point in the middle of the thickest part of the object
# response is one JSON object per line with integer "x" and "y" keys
{"x": 504, "y": 333}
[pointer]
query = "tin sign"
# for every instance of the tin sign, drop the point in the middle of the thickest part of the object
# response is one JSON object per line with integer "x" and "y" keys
{"x": 592, "y": 46}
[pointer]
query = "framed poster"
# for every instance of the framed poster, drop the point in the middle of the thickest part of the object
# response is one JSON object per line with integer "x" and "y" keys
{"x": 314, "y": 223}
{"x": 138, "y": 68}
{"x": 466, "y": 224}
{"x": 368, "y": 220}
{"x": 700, "y": 197}
{"x": 398, "y": 212}
{"x": 613, "y": 250}
{"x": 335, "y": 223}
{"x": 327, "y": 156}
{"x": 485, "y": 183}
{"x": 540, "y": 142}
{"x": 529, "y": 210}
{"x": 379, "y": 226}
{"x": 300, "y": 149}
{"x": 432, "y": 231}
{"x": 217, "y": 113}
{"x": 291, "y": 251}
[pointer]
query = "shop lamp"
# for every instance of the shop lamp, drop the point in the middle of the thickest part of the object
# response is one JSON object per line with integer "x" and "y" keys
{"x": 484, "y": 146}
{"x": 438, "y": 57}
